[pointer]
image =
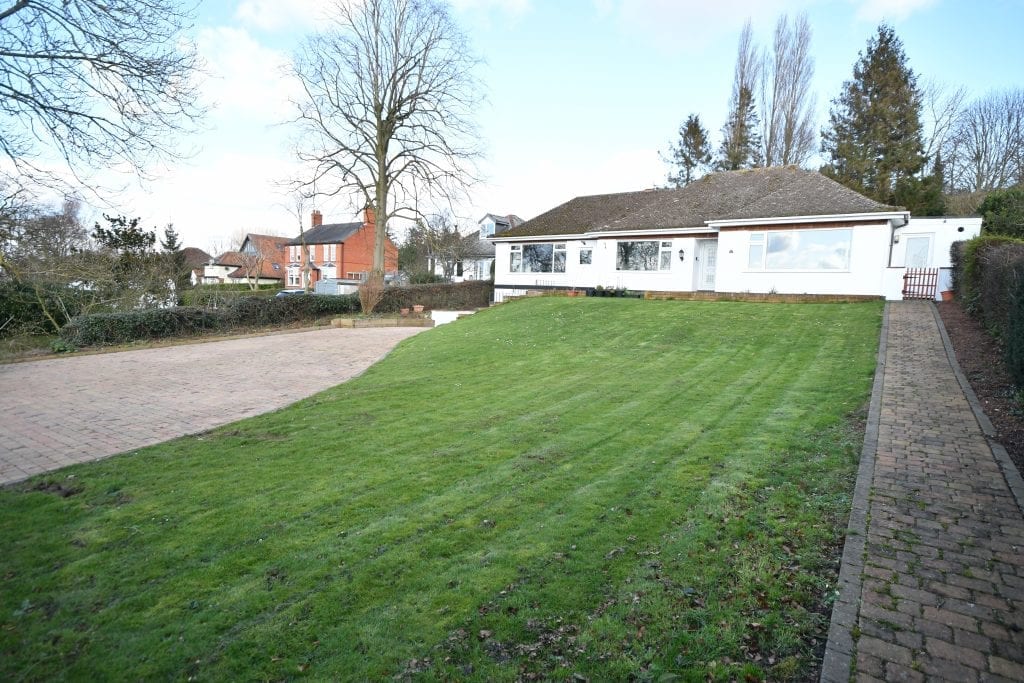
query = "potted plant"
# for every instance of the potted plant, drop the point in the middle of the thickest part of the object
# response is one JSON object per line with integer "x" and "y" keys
{"x": 417, "y": 308}
{"x": 947, "y": 295}
{"x": 404, "y": 312}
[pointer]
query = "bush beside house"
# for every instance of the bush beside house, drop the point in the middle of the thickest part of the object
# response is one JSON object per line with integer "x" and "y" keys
{"x": 988, "y": 278}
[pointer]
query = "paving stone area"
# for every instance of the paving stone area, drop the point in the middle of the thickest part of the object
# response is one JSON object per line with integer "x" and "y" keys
{"x": 938, "y": 592}
{"x": 62, "y": 411}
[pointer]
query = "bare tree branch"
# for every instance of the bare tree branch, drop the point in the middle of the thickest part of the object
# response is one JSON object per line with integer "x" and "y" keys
{"x": 788, "y": 135}
{"x": 987, "y": 143}
{"x": 387, "y": 110}
{"x": 92, "y": 84}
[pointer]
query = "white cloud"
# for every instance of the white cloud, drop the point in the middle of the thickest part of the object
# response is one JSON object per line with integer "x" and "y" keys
{"x": 693, "y": 25}
{"x": 245, "y": 76}
{"x": 890, "y": 10}
{"x": 271, "y": 15}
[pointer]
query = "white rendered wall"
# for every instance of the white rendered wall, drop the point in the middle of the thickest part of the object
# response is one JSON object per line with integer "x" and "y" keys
{"x": 944, "y": 232}
{"x": 869, "y": 255}
{"x": 601, "y": 271}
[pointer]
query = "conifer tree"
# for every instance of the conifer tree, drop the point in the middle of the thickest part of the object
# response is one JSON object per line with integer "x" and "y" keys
{"x": 691, "y": 155}
{"x": 874, "y": 139}
{"x": 741, "y": 143}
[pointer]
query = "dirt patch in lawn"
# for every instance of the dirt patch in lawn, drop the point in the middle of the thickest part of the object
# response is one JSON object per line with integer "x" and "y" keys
{"x": 981, "y": 359}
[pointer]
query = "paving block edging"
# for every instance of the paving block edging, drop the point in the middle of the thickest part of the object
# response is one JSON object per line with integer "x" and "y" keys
{"x": 837, "y": 662}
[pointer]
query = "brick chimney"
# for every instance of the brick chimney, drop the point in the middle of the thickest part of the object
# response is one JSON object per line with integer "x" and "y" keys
{"x": 318, "y": 218}
{"x": 369, "y": 216}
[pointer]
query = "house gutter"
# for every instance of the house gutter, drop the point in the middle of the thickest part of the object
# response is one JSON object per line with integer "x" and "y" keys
{"x": 594, "y": 235}
{"x": 891, "y": 217}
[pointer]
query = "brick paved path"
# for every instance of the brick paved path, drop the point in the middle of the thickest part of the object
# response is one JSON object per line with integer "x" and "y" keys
{"x": 932, "y": 585}
{"x": 62, "y": 411}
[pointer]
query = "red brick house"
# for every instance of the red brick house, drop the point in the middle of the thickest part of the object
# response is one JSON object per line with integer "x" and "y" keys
{"x": 341, "y": 251}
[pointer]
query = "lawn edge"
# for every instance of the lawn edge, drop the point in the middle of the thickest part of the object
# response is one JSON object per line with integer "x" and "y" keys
{"x": 835, "y": 665}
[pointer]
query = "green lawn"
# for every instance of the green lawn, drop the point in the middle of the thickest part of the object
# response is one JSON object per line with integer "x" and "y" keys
{"x": 602, "y": 487}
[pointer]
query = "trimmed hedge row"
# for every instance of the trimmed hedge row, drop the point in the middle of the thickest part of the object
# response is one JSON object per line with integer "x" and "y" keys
{"x": 457, "y": 296}
{"x": 157, "y": 323}
{"x": 213, "y": 296}
{"x": 256, "y": 311}
{"x": 988, "y": 278}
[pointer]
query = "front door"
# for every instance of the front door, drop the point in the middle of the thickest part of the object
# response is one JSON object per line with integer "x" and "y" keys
{"x": 707, "y": 254}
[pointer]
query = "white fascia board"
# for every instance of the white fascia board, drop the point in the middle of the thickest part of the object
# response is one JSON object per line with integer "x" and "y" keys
{"x": 900, "y": 217}
{"x": 606, "y": 233}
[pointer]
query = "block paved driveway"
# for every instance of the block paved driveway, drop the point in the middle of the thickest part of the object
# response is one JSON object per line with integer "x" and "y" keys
{"x": 62, "y": 411}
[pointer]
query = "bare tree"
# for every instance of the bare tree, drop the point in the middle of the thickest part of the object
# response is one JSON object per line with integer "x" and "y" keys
{"x": 386, "y": 114}
{"x": 987, "y": 143}
{"x": 446, "y": 245}
{"x": 93, "y": 84}
{"x": 788, "y": 135}
{"x": 942, "y": 107}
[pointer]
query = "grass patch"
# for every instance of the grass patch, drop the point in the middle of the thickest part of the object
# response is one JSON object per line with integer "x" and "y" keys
{"x": 603, "y": 487}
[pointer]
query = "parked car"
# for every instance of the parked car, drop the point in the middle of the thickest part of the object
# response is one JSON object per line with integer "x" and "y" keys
{"x": 289, "y": 292}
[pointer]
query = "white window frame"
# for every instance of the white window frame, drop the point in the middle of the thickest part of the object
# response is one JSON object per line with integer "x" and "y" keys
{"x": 664, "y": 257}
{"x": 558, "y": 249}
{"x": 294, "y": 276}
{"x": 762, "y": 241}
{"x": 332, "y": 252}
{"x": 589, "y": 251}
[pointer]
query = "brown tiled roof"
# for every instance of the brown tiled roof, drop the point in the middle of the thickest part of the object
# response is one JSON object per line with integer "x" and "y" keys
{"x": 229, "y": 258}
{"x": 271, "y": 246}
{"x": 194, "y": 257}
{"x": 268, "y": 270}
{"x": 756, "y": 193}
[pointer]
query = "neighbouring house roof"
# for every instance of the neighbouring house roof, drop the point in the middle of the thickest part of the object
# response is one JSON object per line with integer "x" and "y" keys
{"x": 502, "y": 223}
{"x": 270, "y": 246}
{"x": 229, "y": 258}
{"x": 478, "y": 248}
{"x": 268, "y": 271}
{"x": 775, "y": 192}
{"x": 328, "y": 233}
{"x": 195, "y": 257}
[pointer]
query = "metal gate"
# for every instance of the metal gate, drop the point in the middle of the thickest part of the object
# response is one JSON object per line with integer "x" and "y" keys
{"x": 920, "y": 283}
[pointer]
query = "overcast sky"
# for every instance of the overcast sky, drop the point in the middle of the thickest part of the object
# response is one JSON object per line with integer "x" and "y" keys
{"x": 581, "y": 94}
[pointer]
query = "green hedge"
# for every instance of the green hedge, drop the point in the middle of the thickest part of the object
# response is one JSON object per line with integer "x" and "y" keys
{"x": 182, "y": 321}
{"x": 215, "y": 296}
{"x": 988, "y": 277}
{"x": 257, "y": 311}
{"x": 457, "y": 296}
{"x": 1014, "y": 337}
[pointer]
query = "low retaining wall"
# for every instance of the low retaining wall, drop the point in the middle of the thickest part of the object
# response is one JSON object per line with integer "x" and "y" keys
{"x": 763, "y": 298}
{"x": 382, "y": 322}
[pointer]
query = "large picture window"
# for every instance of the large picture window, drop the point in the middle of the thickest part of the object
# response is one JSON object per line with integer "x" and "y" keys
{"x": 643, "y": 255}
{"x": 537, "y": 258}
{"x": 799, "y": 250}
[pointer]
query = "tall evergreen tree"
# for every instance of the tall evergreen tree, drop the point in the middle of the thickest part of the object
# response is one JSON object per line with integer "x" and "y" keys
{"x": 874, "y": 139}
{"x": 691, "y": 155}
{"x": 741, "y": 143}
{"x": 170, "y": 242}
